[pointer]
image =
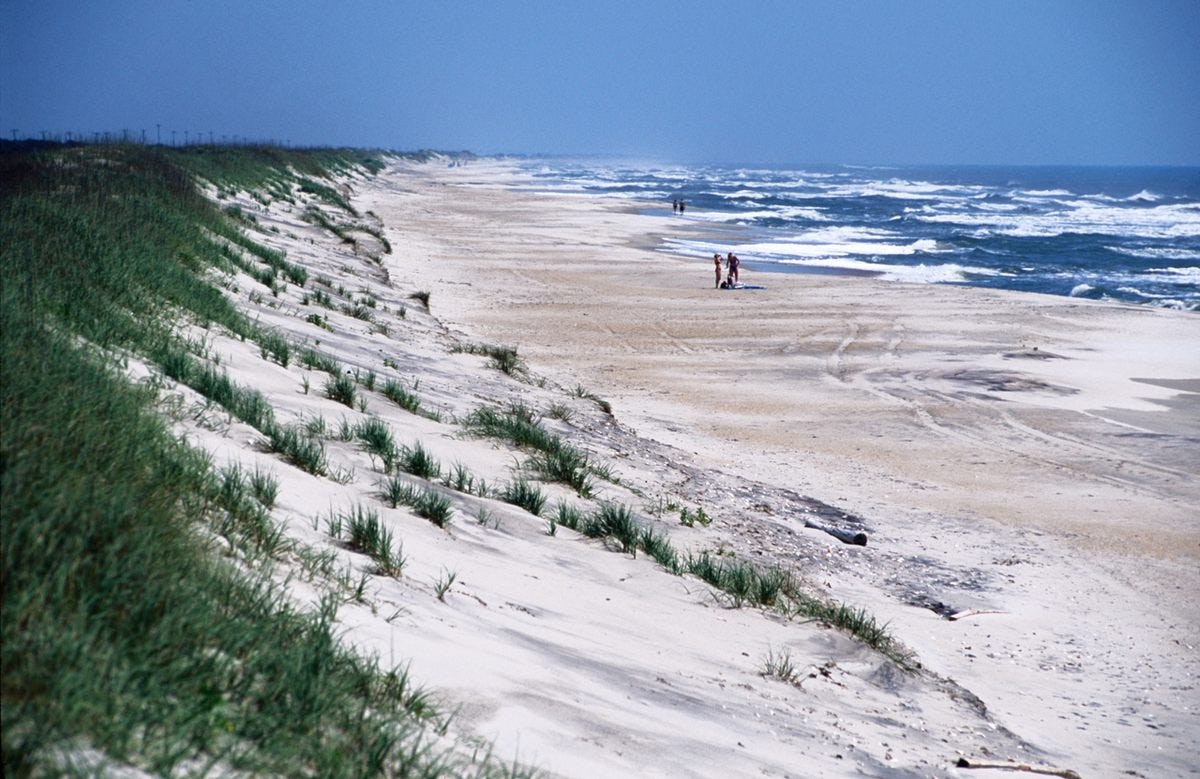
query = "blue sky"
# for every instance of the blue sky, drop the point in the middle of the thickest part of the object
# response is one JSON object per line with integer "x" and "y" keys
{"x": 839, "y": 81}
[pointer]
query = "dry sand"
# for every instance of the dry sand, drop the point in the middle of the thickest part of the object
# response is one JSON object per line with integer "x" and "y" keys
{"x": 1031, "y": 458}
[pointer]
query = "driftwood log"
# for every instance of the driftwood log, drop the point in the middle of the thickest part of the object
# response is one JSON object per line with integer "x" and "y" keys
{"x": 857, "y": 538}
{"x": 1066, "y": 773}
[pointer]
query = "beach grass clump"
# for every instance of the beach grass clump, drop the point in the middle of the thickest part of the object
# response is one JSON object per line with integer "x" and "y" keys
{"x": 561, "y": 412}
{"x": 564, "y": 464}
{"x": 602, "y": 404}
{"x": 517, "y": 424}
{"x": 275, "y": 346}
{"x": 376, "y": 438}
{"x": 242, "y": 518}
{"x": 427, "y": 503}
{"x": 314, "y": 360}
{"x": 298, "y": 447}
{"x": 569, "y": 515}
{"x": 402, "y": 397}
{"x": 502, "y": 358}
{"x": 615, "y": 521}
{"x": 319, "y": 297}
{"x": 434, "y": 506}
{"x": 395, "y": 491}
{"x": 264, "y": 486}
{"x": 417, "y": 460}
{"x": 553, "y": 460}
{"x": 856, "y": 621}
{"x": 342, "y": 389}
{"x": 780, "y": 666}
{"x": 505, "y": 360}
{"x": 360, "y": 311}
{"x": 658, "y": 546}
{"x": 248, "y": 405}
{"x": 422, "y": 297}
{"x": 366, "y": 534}
{"x": 526, "y": 495}
{"x": 460, "y": 479}
{"x": 743, "y": 581}
{"x": 443, "y": 583}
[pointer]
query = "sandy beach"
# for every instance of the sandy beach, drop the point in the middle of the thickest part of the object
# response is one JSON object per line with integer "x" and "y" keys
{"x": 1026, "y": 464}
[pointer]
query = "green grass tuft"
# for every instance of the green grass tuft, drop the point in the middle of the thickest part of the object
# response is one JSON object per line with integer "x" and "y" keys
{"x": 299, "y": 448}
{"x": 376, "y": 438}
{"x": 341, "y": 388}
{"x": 525, "y": 494}
{"x": 395, "y": 392}
{"x": 418, "y": 461}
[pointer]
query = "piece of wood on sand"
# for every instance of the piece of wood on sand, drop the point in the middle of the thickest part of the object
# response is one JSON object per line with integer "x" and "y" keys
{"x": 857, "y": 538}
{"x": 1006, "y": 765}
{"x": 971, "y": 613}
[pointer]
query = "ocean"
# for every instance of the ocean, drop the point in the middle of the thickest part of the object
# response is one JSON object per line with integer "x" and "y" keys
{"x": 1123, "y": 234}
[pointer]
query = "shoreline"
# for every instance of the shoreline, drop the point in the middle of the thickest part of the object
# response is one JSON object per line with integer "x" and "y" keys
{"x": 934, "y": 257}
{"x": 986, "y": 476}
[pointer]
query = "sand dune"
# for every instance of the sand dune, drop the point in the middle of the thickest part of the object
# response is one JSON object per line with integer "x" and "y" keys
{"x": 1030, "y": 459}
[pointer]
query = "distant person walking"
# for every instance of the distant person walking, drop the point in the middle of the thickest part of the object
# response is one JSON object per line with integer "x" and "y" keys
{"x": 674, "y": 205}
{"x": 717, "y": 268}
{"x": 681, "y": 205}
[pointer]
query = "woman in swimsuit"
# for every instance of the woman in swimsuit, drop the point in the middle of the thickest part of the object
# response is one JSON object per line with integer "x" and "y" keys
{"x": 717, "y": 268}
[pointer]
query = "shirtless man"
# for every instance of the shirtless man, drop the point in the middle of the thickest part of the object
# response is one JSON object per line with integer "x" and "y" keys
{"x": 734, "y": 263}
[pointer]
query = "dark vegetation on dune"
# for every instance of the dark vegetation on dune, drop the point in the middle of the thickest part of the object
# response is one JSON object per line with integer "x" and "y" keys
{"x": 126, "y": 637}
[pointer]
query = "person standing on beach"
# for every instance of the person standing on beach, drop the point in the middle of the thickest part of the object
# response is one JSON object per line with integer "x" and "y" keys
{"x": 734, "y": 264}
{"x": 717, "y": 268}
{"x": 680, "y": 205}
{"x": 674, "y": 205}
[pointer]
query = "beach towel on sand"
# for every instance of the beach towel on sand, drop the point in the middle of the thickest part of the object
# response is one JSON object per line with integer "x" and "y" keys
{"x": 744, "y": 286}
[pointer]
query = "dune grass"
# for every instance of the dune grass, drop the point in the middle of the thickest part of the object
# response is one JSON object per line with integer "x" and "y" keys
{"x": 741, "y": 582}
{"x": 526, "y": 495}
{"x": 502, "y": 358}
{"x": 401, "y": 396}
{"x": 342, "y": 389}
{"x": 365, "y": 533}
{"x": 427, "y": 502}
{"x": 553, "y": 459}
{"x": 417, "y": 460}
{"x": 123, "y": 631}
{"x": 376, "y": 438}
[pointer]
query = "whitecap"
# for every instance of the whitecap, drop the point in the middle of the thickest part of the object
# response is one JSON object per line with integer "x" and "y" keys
{"x": 1156, "y": 252}
{"x": 1189, "y": 275}
{"x": 1047, "y": 193}
{"x": 776, "y": 250}
{"x": 1159, "y": 222}
{"x": 1177, "y": 305}
{"x": 1081, "y": 290}
{"x": 913, "y": 274}
{"x": 1139, "y": 293}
